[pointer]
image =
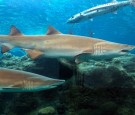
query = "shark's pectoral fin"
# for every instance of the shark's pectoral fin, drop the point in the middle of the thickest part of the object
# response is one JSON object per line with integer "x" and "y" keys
{"x": 82, "y": 57}
{"x": 6, "y": 88}
{"x": 77, "y": 58}
{"x": 88, "y": 51}
{"x": 15, "y": 32}
{"x": 52, "y": 30}
{"x": 33, "y": 54}
{"x": 66, "y": 62}
{"x": 12, "y": 86}
{"x": 5, "y": 47}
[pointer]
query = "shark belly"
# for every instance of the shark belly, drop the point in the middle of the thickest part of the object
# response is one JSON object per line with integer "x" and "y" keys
{"x": 54, "y": 53}
{"x": 25, "y": 89}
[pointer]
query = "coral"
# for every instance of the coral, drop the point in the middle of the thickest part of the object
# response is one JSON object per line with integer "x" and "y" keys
{"x": 118, "y": 72}
{"x": 19, "y": 63}
{"x": 79, "y": 98}
{"x": 125, "y": 111}
{"x": 117, "y": 63}
{"x": 106, "y": 101}
{"x": 25, "y": 103}
{"x": 108, "y": 108}
{"x": 61, "y": 109}
{"x": 47, "y": 111}
{"x": 85, "y": 112}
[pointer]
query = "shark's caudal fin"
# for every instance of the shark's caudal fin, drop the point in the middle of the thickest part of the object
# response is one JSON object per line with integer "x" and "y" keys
{"x": 52, "y": 30}
{"x": 14, "y": 31}
{"x": 132, "y": 2}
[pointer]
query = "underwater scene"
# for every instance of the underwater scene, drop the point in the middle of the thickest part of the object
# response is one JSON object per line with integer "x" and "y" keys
{"x": 67, "y": 57}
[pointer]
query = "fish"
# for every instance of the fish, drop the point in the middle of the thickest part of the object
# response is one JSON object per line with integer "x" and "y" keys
{"x": 21, "y": 81}
{"x": 57, "y": 45}
{"x": 99, "y": 10}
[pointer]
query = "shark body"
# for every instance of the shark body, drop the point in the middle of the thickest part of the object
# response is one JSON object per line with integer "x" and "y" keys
{"x": 55, "y": 44}
{"x": 99, "y": 10}
{"x": 21, "y": 81}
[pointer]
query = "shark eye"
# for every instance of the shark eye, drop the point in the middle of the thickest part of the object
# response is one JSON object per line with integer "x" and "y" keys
{"x": 124, "y": 50}
{"x": 72, "y": 17}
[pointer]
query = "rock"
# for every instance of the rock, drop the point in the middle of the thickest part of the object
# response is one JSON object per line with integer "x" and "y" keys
{"x": 61, "y": 109}
{"x": 125, "y": 111}
{"x": 25, "y": 103}
{"x": 118, "y": 72}
{"x": 100, "y": 64}
{"x": 85, "y": 112}
{"x": 108, "y": 108}
{"x": 47, "y": 111}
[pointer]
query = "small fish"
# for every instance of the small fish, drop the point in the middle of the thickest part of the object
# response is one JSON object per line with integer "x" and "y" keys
{"x": 99, "y": 10}
{"x": 21, "y": 81}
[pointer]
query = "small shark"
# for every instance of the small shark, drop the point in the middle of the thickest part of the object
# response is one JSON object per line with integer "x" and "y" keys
{"x": 21, "y": 81}
{"x": 56, "y": 45}
{"x": 99, "y": 10}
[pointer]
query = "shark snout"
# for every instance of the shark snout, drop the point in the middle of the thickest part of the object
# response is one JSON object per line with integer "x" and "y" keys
{"x": 127, "y": 49}
{"x": 60, "y": 82}
{"x": 68, "y": 21}
{"x": 57, "y": 84}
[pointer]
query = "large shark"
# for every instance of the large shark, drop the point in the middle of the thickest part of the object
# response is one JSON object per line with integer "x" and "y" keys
{"x": 55, "y": 45}
{"x": 21, "y": 81}
{"x": 99, "y": 10}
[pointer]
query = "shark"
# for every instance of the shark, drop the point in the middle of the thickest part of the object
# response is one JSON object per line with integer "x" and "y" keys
{"x": 57, "y": 45}
{"x": 99, "y": 10}
{"x": 21, "y": 81}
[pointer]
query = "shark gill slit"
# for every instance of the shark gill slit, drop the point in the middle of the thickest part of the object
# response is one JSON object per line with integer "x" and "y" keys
{"x": 27, "y": 84}
{"x": 98, "y": 49}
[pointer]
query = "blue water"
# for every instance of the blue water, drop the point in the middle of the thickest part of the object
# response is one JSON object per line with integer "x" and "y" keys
{"x": 33, "y": 17}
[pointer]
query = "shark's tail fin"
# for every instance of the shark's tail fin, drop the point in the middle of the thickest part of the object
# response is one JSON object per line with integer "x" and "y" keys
{"x": 132, "y": 2}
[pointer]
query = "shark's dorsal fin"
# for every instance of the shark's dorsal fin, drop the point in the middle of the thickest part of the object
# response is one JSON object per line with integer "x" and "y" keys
{"x": 52, "y": 30}
{"x": 14, "y": 31}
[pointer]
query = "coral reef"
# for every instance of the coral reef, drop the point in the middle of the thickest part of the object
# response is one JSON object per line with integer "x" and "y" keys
{"x": 47, "y": 111}
{"x": 118, "y": 72}
{"x": 112, "y": 101}
{"x": 14, "y": 62}
{"x": 103, "y": 87}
